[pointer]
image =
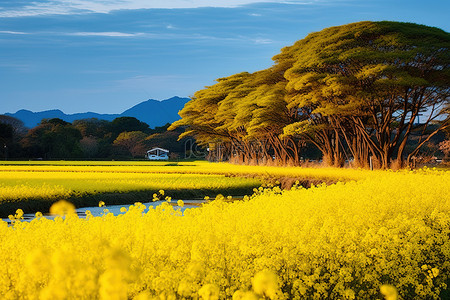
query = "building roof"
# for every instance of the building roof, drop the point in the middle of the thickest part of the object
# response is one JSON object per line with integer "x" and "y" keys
{"x": 157, "y": 148}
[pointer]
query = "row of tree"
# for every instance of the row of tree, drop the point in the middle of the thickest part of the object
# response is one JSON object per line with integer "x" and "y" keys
{"x": 122, "y": 138}
{"x": 356, "y": 92}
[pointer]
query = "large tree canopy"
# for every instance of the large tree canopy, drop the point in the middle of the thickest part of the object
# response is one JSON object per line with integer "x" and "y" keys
{"x": 354, "y": 91}
{"x": 374, "y": 78}
{"x": 132, "y": 141}
{"x": 53, "y": 139}
{"x": 122, "y": 124}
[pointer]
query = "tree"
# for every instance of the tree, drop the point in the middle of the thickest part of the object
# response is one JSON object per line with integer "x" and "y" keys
{"x": 6, "y": 132}
{"x": 354, "y": 91}
{"x": 6, "y": 135}
{"x": 53, "y": 138}
{"x": 444, "y": 146}
{"x": 201, "y": 117}
{"x": 11, "y": 131}
{"x": 133, "y": 142}
{"x": 163, "y": 138}
{"x": 16, "y": 124}
{"x": 90, "y": 146}
{"x": 369, "y": 81}
{"x": 92, "y": 127}
{"x": 123, "y": 124}
{"x": 97, "y": 137}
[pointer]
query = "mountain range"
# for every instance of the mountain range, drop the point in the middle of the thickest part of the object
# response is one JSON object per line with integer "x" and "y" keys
{"x": 153, "y": 112}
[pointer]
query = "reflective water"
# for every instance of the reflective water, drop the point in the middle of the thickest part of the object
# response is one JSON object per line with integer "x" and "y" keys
{"x": 115, "y": 209}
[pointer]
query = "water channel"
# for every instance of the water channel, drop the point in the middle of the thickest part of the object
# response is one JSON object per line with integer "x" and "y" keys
{"x": 115, "y": 209}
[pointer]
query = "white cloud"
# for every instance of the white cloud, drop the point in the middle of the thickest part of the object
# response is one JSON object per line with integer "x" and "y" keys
{"x": 159, "y": 36}
{"x": 40, "y": 9}
{"x": 148, "y": 35}
{"x": 262, "y": 41}
{"x": 11, "y": 32}
{"x": 111, "y": 34}
{"x": 85, "y": 33}
{"x": 65, "y": 7}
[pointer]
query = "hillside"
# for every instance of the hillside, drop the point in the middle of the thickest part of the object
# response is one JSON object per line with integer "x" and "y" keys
{"x": 153, "y": 112}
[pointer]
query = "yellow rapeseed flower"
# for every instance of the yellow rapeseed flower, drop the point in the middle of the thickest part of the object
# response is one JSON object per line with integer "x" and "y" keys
{"x": 209, "y": 292}
{"x": 389, "y": 292}
{"x": 265, "y": 284}
{"x": 19, "y": 214}
{"x": 315, "y": 242}
{"x": 62, "y": 208}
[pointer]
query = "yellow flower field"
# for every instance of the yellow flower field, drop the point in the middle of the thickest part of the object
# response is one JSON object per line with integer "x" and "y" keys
{"x": 196, "y": 167}
{"x": 20, "y": 185}
{"x": 385, "y": 235}
{"x": 35, "y": 186}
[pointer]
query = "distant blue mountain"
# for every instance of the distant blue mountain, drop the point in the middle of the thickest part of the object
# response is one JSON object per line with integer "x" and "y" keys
{"x": 157, "y": 113}
{"x": 31, "y": 119}
{"x": 153, "y": 112}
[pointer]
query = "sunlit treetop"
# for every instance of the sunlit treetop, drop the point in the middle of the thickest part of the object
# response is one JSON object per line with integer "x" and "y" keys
{"x": 366, "y": 81}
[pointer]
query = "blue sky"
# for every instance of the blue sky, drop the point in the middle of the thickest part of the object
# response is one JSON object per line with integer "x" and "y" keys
{"x": 106, "y": 56}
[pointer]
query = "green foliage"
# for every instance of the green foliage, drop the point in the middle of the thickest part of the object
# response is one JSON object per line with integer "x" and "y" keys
{"x": 11, "y": 131}
{"x": 122, "y": 124}
{"x": 6, "y": 132}
{"x": 53, "y": 138}
{"x": 92, "y": 127}
{"x": 372, "y": 73}
{"x": 133, "y": 142}
{"x": 352, "y": 90}
{"x": 16, "y": 124}
{"x": 168, "y": 140}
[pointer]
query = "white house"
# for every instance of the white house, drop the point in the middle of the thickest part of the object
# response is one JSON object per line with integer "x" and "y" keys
{"x": 158, "y": 154}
